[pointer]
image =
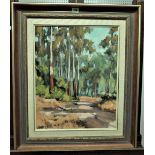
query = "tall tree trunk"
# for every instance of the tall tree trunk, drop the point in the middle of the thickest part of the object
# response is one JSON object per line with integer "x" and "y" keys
{"x": 59, "y": 67}
{"x": 59, "y": 74}
{"x": 109, "y": 82}
{"x": 78, "y": 77}
{"x": 74, "y": 81}
{"x": 73, "y": 65}
{"x": 88, "y": 91}
{"x": 74, "y": 88}
{"x": 66, "y": 70}
{"x": 115, "y": 85}
{"x": 107, "y": 86}
{"x": 95, "y": 90}
{"x": 51, "y": 65}
{"x": 69, "y": 90}
{"x": 40, "y": 40}
{"x": 61, "y": 70}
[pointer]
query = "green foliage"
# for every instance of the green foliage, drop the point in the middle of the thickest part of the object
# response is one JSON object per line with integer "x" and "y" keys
{"x": 44, "y": 68}
{"x": 107, "y": 73}
{"x": 41, "y": 89}
{"x": 47, "y": 93}
{"x": 114, "y": 75}
{"x": 60, "y": 95}
{"x": 110, "y": 44}
{"x": 67, "y": 98}
{"x": 61, "y": 83}
{"x": 39, "y": 80}
{"x": 59, "y": 91}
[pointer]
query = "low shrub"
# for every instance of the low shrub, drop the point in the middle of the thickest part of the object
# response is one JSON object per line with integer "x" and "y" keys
{"x": 58, "y": 92}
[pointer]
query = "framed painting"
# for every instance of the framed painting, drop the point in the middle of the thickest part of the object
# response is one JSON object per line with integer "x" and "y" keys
{"x": 75, "y": 76}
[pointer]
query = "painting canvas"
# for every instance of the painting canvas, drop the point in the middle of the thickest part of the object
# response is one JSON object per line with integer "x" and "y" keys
{"x": 76, "y": 76}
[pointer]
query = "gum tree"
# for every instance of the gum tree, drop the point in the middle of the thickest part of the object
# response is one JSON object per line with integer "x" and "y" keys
{"x": 110, "y": 43}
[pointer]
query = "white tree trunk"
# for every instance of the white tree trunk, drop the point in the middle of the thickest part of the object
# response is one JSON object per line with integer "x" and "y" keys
{"x": 73, "y": 65}
{"x": 78, "y": 77}
{"x": 69, "y": 60}
{"x": 51, "y": 64}
{"x": 109, "y": 83}
{"x": 61, "y": 65}
{"x": 61, "y": 71}
{"x": 78, "y": 74}
{"x": 69, "y": 66}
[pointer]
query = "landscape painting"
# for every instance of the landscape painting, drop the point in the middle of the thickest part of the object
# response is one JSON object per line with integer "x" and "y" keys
{"x": 76, "y": 76}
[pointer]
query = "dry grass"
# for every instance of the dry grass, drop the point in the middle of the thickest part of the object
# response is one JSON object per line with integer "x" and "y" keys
{"x": 51, "y": 121}
{"x": 58, "y": 122}
{"x": 46, "y": 103}
{"x": 63, "y": 122}
{"x": 89, "y": 99}
{"x": 108, "y": 106}
{"x": 41, "y": 120}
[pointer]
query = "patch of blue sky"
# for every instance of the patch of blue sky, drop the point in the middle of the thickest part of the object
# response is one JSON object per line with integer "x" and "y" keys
{"x": 97, "y": 34}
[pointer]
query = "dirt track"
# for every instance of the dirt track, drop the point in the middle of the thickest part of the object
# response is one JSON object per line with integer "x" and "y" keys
{"x": 84, "y": 115}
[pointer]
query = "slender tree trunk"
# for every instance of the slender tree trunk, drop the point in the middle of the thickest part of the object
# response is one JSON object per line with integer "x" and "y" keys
{"x": 74, "y": 81}
{"x": 73, "y": 65}
{"x": 66, "y": 70}
{"x": 107, "y": 86}
{"x": 78, "y": 90}
{"x": 69, "y": 90}
{"x": 115, "y": 85}
{"x": 78, "y": 78}
{"x": 74, "y": 88}
{"x": 40, "y": 41}
{"x": 109, "y": 82}
{"x": 88, "y": 91}
{"x": 61, "y": 70}
{"x": 51, "y": 65}
{"x": 95, "y": 90}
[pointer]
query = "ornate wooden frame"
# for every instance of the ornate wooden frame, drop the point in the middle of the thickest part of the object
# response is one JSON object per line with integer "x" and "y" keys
{"x": 20, "y": 13}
